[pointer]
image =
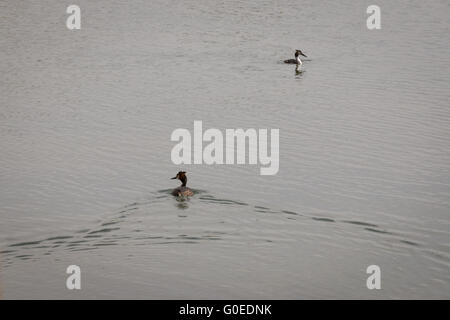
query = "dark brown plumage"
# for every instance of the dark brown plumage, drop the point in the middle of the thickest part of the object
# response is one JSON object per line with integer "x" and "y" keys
{"x": 182, "y": 190}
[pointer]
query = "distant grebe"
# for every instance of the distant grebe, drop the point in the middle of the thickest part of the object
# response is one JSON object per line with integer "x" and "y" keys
{"x": 182, "y": 190}
{"x": 297, "y": 60}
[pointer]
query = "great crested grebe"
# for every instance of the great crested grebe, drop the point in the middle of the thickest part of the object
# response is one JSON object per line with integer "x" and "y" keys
{"x": 297, "y": 60}
{"x": 182, "y": 190}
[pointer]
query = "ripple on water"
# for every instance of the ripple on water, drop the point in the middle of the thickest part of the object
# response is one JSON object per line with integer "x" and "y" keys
{"x": 109, "y": 223}
{"x": 92, "y": 238}
{"x": 22, "y": 244}
{"x": 360, "y": 223}
{"x": 378, "y": 231}
{"x": 24, "y": 256}
{"x": 212, "y": 199}
{"x": 290, "y": 212}
{"x": 104, "y": 230}
{"x": 408, "y": 242}
{"x": 323, "y": 219}
{"x": 59, "y": 238}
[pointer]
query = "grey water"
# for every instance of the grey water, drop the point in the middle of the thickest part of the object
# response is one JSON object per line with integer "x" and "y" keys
{"x": 85, "y": 123}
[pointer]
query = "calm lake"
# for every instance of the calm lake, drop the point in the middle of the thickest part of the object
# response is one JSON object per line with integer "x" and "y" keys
{"x": 86, "y": 118}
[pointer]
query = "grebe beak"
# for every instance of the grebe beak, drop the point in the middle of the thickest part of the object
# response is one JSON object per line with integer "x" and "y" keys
{"x": 303, "y": 54}
{"x": 173, "y": 178}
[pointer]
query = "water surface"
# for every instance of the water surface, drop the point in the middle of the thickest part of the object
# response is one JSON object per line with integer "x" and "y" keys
{"x": 85, "y": 124}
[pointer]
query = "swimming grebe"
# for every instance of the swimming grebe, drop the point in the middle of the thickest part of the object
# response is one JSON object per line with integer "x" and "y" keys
{"x": 182, "y": 190}
{"x": 297, "y": 60}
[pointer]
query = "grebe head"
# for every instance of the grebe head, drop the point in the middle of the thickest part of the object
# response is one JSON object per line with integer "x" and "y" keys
{"x": 299, "y": 52}
{"x": 181, "y": 175}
